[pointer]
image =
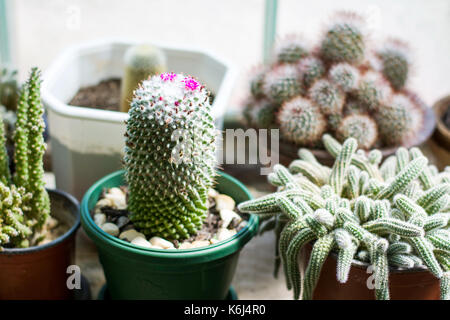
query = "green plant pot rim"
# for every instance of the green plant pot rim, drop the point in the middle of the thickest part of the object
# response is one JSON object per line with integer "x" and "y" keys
{"x": 202, "y": 254}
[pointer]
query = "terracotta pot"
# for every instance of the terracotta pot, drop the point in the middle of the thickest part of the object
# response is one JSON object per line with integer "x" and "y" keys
{"x": 416, "y": 284}
{"x": 41, "y": 272}
{"x": 442, "y": 133}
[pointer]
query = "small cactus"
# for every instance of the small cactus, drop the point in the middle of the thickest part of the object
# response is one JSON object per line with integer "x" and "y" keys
{"x": 257, "y": 82}
{"x": 395, "y": 62}
{"x": 327, "y": 96}
{"x": 301, "y": 121}
{"x": 261, "y": 113}
{"x": 176, "y": 157}
{"x": 141, "y": 61}
{"x": 290, "y": 49}
{"x": 359, "y": 211}
{"x": 8, "y": 88}
{"x": 344, "y": 39}
{"x": 373, "y": 91}
{"x": 344, "y": 76}
{"x": 361, "y": 127}
{"x": 281, "y": 83}
{"x": 310, "y": 69}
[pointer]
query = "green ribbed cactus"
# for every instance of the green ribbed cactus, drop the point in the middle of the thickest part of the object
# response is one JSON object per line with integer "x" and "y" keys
{"x": 391, "y": 216}
{"x": 394, "y": 58}
{"x": 170, "y": 156}
{"x": 301, "y": 122}
{"x": 25, "y": 205}
{"x": 359, "y": 126}
{"x": 5, "y": 175}
{"x": 344, "y": 40}
{"x": 281, "y": 83}
{"x": 141, "y": 61}
{"x": 290, "y": 49}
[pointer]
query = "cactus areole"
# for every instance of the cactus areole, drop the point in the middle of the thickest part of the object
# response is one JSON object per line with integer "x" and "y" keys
{"x": 170, "y": 155}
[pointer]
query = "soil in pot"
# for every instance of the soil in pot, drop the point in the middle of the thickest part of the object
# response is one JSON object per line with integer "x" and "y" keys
{"x": 105, "y": 95}
{"x": 222, "y": 221}
{"x": 40, "y": 272}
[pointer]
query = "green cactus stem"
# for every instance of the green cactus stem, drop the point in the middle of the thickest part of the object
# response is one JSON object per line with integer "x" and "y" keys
{"x": 5, "y": 175}
{"x": 170, "y": 155}
{"x": 361, "y": 127}
{"x": 141, "y": 61}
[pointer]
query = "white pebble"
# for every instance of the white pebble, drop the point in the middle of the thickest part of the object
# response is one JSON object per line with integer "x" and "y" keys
{"x": 213, "y": 240}
{"x": 224, "y": 234}
{"x": 185, "y": 245}
{"x": 99, "y": 219}
{"x": 160, "y": 242}
{"x": 200, "y": 243}
{"x": 130, "y": 235}
{"x": 228, "y": 215}
{"x": 139, "y": 241}
{"x": 103, "y": 203}
{"x": 224, "y": 202}
{"x": 110, "y": 228}
{"x": 117, "y": 201}
{"x": 212, "y": 193}
{"x": 116, "y": 191}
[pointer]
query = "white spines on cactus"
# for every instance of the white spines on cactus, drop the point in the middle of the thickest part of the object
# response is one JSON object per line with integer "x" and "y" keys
{"x": 395, "y": 62}
{"x": 301, "y": 121}
{"x": 327, "y": 96}
{"x": 310, "y": 69}
{"x": 170, "y": 155}
{"x": 361, "y": 127}
{"x": 373, "y": 91}
{"x": 344, "y": 76}
{"x": 281, "y": 83}
{"x": 290, "y": 49}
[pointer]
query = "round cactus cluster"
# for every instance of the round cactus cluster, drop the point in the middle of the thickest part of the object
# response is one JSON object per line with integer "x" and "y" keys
{"x": 343, "y": 75}
{"x": 170, "y": 155}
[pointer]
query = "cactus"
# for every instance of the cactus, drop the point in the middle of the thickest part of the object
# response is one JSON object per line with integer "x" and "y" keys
{"x": 141, "y": 61}
{"x": 8, "y": 88}
{"x": 170, "y": 146}
{"x": 327, "y": 96}
{"x": 290, "y": 49}
{"x": 373, "y": 91}
{"x": 395, "y": 62}
{"x": 344, "y": 76}
{"x": 25, "y": 205}
{"x": 395, "y": 120}
{"x": 257, "y": 82}
{"x": 260, "y": 113}
{"x": 5, "y": 175}
{"x": 344, "y": 39}
{"x": 361, "y": 127}
{"x": 281, "y": 83}
{"x": 301, "y": 121}
{"x": 360, "y": 211}
{"x": 310, "y": 69}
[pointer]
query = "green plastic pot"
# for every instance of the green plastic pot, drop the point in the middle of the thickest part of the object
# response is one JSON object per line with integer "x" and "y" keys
{"x": 134, "y": 272}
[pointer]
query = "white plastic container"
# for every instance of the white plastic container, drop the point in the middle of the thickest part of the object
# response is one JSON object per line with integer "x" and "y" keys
{"x": 88, "y": 143}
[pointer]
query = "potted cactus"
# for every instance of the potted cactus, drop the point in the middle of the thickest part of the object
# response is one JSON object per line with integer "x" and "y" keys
{"x": 369, "y": 229}
{"x": 37, "y": 226}
{"x": 169, "y": 173}
{"x": 343, "y": 87}
{"x": 80, "y": 152}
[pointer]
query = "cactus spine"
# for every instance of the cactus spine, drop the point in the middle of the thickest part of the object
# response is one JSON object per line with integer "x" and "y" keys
{"x": 170, "y": 155}
{"x": 141, "y": 61}
{"x": 362, "y": 211}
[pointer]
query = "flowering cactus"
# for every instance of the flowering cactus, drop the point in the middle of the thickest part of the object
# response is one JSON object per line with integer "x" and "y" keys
{"x": 169, "y": 155}
{"x": 393, "y": 215}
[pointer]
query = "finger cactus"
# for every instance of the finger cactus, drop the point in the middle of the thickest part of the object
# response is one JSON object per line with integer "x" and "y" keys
{"x": 344, "y": 40}
{"x": 169, "y": 155}
{"x": 141, "y": 61}
{"x": 301, "y": 121}
{"x": 361, "y": 127}
{"x": 361, "y": 210}
{"x": 281, "y": 83}
{"x": 24, "y": 202}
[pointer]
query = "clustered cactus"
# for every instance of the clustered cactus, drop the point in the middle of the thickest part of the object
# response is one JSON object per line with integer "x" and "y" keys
{"x": 141, "y": 61}
{"x": 24, "y": 202}
{"x": 390, "y": 215}
{"x": 8, "y": 88}
{"x": 343, "y": 76}
{"x": 170, "y": 155}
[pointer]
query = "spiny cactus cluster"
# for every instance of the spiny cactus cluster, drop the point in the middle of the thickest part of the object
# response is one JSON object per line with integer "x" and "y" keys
{"x": 169, "y": 155}
{"x": 141, "y": 61}
{"x": 343, "y": 76}
{"x": 390, "y": 215}
{"x": 24, "y": 202}
{"x": 8, "y": 88}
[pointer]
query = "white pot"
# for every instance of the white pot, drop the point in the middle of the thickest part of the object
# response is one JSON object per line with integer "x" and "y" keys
{"x": 88, "y": 143}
